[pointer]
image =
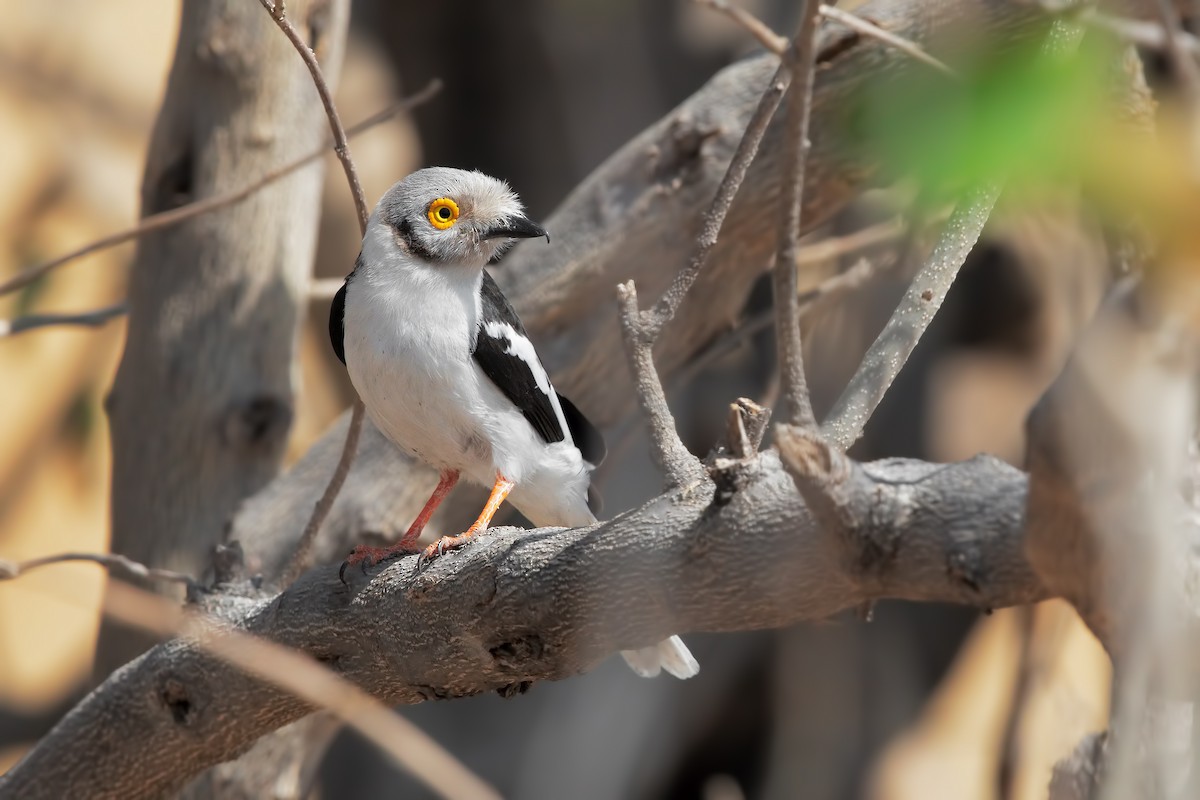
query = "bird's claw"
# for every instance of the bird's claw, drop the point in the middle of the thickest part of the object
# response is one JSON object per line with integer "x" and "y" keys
{"x": 366, "y": 556}
{"x": 439, "y": 548}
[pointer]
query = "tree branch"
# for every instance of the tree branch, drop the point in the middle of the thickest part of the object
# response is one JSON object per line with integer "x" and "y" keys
{"x": 341, "y": 146}
{"x": 679, "y": 467}
{"x": 800, "y": 56}
{"x": 777, "y": 44}
{"x": 86, "y": 319}
{"x": 868, "y": 28}
{"x": 112, "y": 562}
{"x": 890, "y": 351}
{"x": 523, "y": 606}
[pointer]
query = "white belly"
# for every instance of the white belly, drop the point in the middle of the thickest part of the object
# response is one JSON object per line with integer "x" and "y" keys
{"x": 407, "y": 348}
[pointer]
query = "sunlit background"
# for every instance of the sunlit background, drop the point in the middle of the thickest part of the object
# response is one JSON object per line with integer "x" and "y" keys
{"x": 924, "y": 702}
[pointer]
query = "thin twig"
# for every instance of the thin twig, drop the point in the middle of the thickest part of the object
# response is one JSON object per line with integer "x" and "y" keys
{"x": 777, "y": 44}
{"x": 837, "y": 246}
{"x": 768, "y": 38}
{"x": 354, "y": 431}
{"x": 868, "y": 28}
{"x": 664, "y": 310}
{"x": 175, "y": 216}
{"x": 86, "y": 319}
{"x": 298, "y": 674}
{"x": 811, "y": 301}
{"x": 110, "y": 561}
{"x": 341, "y": 146}
{"x": 799, "y": 59}
{"x": 320, "y": 289}
{"x": 641, "y": 329}
{"x": 916, "y": 310}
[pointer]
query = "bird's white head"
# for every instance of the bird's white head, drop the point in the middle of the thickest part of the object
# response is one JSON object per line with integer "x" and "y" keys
{"x": 451, "y": 217}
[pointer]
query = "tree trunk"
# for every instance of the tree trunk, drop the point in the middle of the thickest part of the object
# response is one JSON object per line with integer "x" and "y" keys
{"x": 204, "y": 399}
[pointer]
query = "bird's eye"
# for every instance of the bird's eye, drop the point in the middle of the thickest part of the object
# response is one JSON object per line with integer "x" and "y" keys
{"x": 443, "y": 213}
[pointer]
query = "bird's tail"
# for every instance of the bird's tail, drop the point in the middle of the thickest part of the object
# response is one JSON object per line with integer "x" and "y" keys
{"x": 669, "y": 654}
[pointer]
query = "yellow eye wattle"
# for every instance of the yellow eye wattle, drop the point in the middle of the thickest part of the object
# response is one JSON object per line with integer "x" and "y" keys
{"x": 443, "y": 213}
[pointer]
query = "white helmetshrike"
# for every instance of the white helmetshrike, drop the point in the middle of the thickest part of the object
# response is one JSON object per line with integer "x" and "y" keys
{"x": 446, "y": 371}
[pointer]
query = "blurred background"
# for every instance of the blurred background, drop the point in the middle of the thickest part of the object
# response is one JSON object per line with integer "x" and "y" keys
{"x": 923, "y": 702}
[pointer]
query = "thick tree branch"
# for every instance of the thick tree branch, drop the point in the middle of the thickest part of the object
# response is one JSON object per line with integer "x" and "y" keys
{"x": 524, "y": 606}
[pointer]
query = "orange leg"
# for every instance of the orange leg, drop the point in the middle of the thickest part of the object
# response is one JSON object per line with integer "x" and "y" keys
{"x": 499, "y": 491}
{"x": 366, "y": 556}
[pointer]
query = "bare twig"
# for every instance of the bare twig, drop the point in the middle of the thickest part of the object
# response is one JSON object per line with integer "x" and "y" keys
{"x": 768, "y": 38}
{"x": 110, "y": 561}
{"x": 811, "y": 301}
{"x": 86, "y": 319}
{"x": 354, "y": 431}
{"x": 175, "y": 216}
{"x": 868, "y": 28}
{"x": 664, "y": 310}
{"x": 325, "y": 503}
{"x": 777, "y": 44}
{"x": 680, "y": 468}
{"x": 302, "y": 676}
{"x": 641, "y": 329}
{"x": 320, "y": 289}
{"x": 916, "y": 310}
{"x": 837, "y": 246}
{"x": 799, "y": 59}
{"x": 341, "y": 146}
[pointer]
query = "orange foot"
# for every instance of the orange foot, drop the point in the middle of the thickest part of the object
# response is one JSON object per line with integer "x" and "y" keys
{"x": 365, "y": 556}
{"x": 499, "y": 491}
{"x": 444, "y": 545}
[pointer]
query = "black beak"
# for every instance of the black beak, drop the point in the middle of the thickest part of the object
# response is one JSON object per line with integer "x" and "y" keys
{"x": 515, "y": 228}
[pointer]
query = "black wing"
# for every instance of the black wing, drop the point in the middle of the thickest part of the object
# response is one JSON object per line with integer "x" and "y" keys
{"x": 585, "y": 435}
{"x": 337, "y": 316}
{"x": 503, "y": 352}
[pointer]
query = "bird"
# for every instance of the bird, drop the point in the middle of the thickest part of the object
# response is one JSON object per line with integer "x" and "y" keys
{"x": 447, "y": 372}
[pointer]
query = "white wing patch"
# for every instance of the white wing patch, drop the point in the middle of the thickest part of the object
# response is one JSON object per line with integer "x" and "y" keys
{"x": 520, "y": 347}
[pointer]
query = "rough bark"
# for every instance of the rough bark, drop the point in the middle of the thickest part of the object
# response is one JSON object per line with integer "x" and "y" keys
{"x": 525, "y": 606}
{"x": 203, "y": 400}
